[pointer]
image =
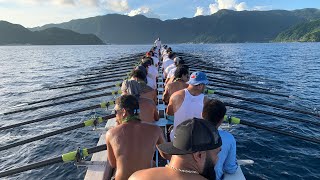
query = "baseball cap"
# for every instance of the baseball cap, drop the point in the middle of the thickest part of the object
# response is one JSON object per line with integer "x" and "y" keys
{"x": 197, "y": 78}
{"x": 192, "y": 136}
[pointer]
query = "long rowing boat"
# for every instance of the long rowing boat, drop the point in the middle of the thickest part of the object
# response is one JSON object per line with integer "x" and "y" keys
{"x": 100, "y": 169}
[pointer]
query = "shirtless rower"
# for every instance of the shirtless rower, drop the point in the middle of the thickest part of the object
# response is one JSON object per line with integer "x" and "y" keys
{"x": 188, "y": 103}
{"x": 194, "y": 153}
{"x": 131, "y": 144}
{"x": 180, "y": 82}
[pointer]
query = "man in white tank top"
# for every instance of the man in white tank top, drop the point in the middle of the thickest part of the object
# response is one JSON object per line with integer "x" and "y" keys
{"x": 188, "y": 103}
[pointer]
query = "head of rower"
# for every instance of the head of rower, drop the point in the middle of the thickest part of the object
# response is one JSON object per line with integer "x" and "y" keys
{"x": 126, "y": 109}
{"x": 194, "y": 151}
{"x": 197, "y": 83}
{"x": 138, "y": 75}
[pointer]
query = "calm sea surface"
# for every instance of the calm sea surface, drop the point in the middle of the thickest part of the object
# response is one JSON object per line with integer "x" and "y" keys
{"x": 288, "y": 68}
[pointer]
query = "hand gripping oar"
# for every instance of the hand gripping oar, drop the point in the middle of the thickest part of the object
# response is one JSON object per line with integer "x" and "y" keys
{"x": 68, "y": 157}
{"x": 101, "y": 105}
{"x": 248, "y": 89}
{"x": 90, "y": 122}
{"x": 210, "y": 91}
{"x": 73, "y": 94}
{"x": 235, "y": 120}
{"x": 88, "y": 83}
{"x": 64, "y": 102}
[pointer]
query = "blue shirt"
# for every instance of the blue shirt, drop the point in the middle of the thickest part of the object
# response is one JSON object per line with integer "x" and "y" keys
{"x": 227, "y": 162}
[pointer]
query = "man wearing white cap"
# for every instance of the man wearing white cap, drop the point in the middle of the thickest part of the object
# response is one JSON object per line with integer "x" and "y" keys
{"x": 188, "y": 103}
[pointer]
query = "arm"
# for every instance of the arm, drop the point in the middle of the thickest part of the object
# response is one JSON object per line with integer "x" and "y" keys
{"x": 111, "y": 156}
{"x": 124, "y": 88}
{"x": 165, "y": 96}
{"x": 170, "y": 111}
{"x": 230, "y": 165}
{"x": 161, "y": 141}
{"x": 156, "y": 114}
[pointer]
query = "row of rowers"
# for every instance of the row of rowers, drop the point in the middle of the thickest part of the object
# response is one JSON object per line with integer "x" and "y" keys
{"x": 197, "y": 150}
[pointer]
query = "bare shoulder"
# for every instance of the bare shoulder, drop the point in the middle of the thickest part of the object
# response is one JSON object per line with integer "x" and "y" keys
{"x": 152, "y": 127}
{"x": 148, "y": 174}
{"x": 178, "y": 94}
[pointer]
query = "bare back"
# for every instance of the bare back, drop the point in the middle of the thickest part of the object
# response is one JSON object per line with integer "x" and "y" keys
{"x": 163, "y": 173}
{"x": 172, "y": 88}
{"x": 131, "y": 147}
{"x": 148, "y": 110}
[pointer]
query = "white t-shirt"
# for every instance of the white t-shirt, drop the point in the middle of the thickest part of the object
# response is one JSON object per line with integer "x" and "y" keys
{"x": 171, "y": 72}
{"x": 155, "y": 60}
{"x": 167, "y": 63}
{"x": 167, "y": 70}
{"x": 152, "y": 77}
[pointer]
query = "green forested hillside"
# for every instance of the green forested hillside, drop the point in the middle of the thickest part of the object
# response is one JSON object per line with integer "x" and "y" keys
{"x": 223, "y": 26}
{"x": 13, "y": 34}
{"x": 304, "y": 32}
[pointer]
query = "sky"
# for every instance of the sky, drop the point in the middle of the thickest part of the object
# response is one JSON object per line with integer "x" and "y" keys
{"x": 32, "y": 13}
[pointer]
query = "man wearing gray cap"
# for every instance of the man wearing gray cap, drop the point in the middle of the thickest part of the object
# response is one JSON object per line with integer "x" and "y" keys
{"x": 194, "y": 151}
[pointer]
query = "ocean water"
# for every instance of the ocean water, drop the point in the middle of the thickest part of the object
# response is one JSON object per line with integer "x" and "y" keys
{"x": 287, "y": 68}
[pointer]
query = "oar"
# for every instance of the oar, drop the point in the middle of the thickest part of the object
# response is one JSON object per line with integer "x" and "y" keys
{"x": 214, "y": 72}
{"x": 235, "y": 120}
{"x": 248, "y": 89}
{"x": 63, "y": 102}
{"x": 210, "y": 91}
{"x": 215, "y": 79}
{"x": 272, "y": 114}
{"x": 108, "y": 73}
{"x": 73, "y": 94}
{"x": 90, "y": 122}
{"x": 187, "y": 59}
{"x": 84, "y": 80}
{"x": 101, "y": 105}
{"x": 88, "y": 83}
{"x": 68, "y": 157}
{"x": 113, "y": 68}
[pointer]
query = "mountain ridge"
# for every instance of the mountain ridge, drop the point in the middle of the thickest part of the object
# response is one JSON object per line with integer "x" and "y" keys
{"x": 225, "y": 26}
{"x": 15, "y": 34}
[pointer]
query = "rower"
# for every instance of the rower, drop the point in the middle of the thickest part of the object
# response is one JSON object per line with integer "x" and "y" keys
{"x": 177, "y": 62}
{"x": 214, "y": 111}
{"x": 145, "y": 94}
{"x": 171, "y": 66}
{"x": 188, "y": 103}
{"x": 131, "y": 144}
{"x": 152, "y": 72}
{"x": 167, "y": 62}
{"x": 136, "y": 86}
{"x": 194, "y": 153}
{"x": 180, "y": 82}
{"x": 143, "y": 66}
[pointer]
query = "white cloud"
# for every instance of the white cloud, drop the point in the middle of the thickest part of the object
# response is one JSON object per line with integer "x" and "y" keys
{"x": 213, "y": 8}
{"x": 227, "y": 4}
{"x": 199, "y": 11}
{"x": 261, "y": 8}
{"x": 241, "y": 6}
{"x": 143, "y": 11}
{"x": 117, "y": 5}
